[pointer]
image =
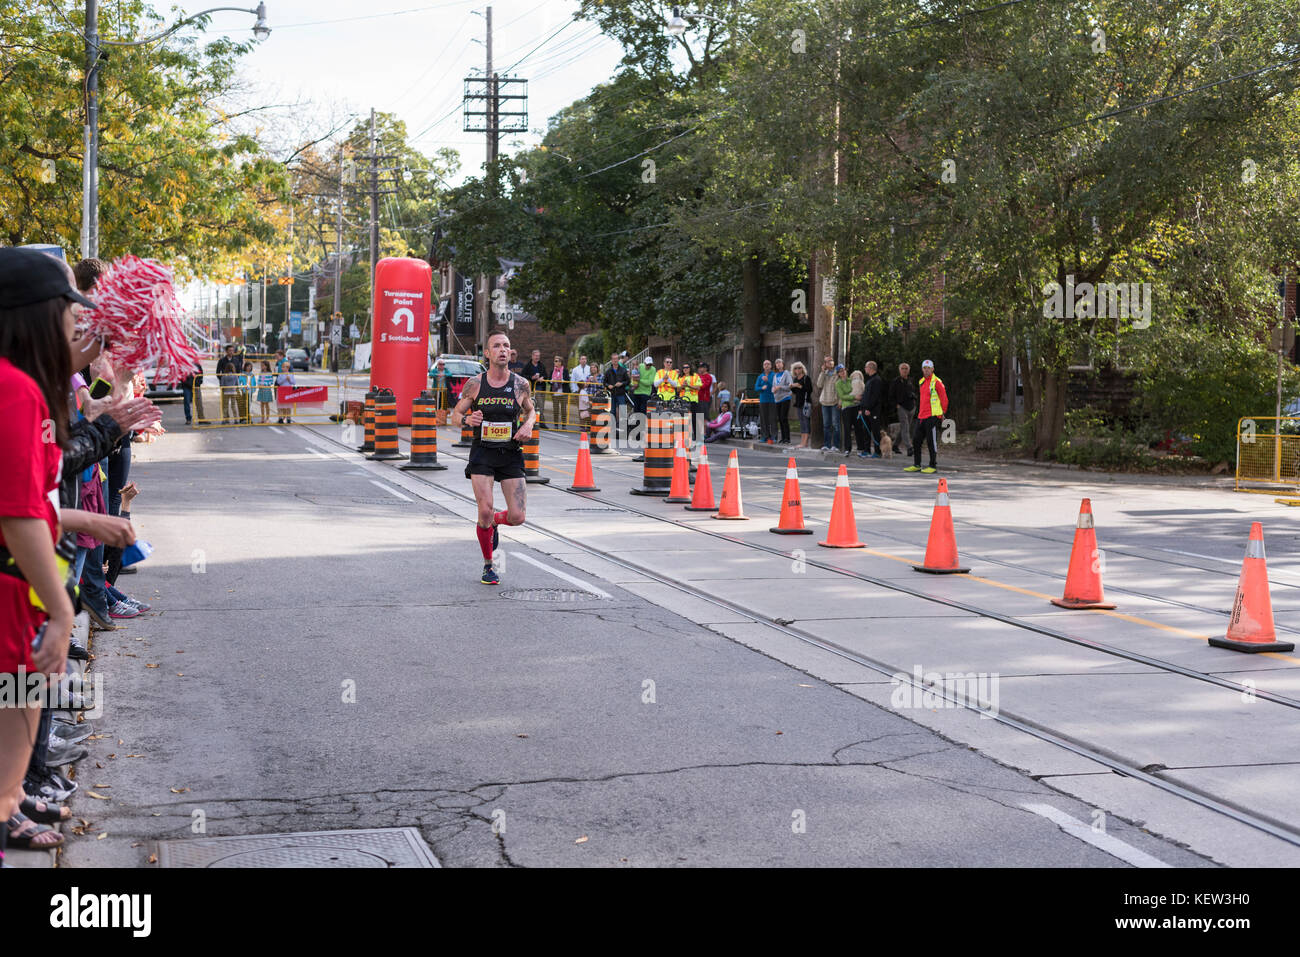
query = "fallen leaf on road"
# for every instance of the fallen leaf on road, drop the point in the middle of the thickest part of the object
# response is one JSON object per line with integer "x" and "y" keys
{"x": 179, "y": 651}
{"x": 780, "y": 732}
{"x": 103, "y": 785}
{"x": 180, "y": 674}
{"x": 581, "y": 840}
{"x": 521, "y": 736}
{"x": 137, "y": 843}
{"x": 805, "y": 686}
{"x": 112, "y": 755}
{"x": 102, "y": 836}
{"x": 84, "y": 822}
{"x": 95, "y": 737}
{"x": 151, "y": 666}
{"x": 99, "y": 796}
{"x": 98, "y": 764}
{"x": 135, "y": 755}
{"x": 153, "y": 858}
{"x": 179, "y": 790}
{"x": 120, "y": 741}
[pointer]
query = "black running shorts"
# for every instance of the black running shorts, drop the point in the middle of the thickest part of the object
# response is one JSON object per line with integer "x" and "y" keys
{"x": 501, "y": 464}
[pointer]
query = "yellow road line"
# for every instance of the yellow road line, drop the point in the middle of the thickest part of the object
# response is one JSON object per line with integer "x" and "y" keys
{"x": 1132, "y": 619}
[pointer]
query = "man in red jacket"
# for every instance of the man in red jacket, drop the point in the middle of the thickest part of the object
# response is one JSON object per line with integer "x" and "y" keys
{"x": 929, "y": 416}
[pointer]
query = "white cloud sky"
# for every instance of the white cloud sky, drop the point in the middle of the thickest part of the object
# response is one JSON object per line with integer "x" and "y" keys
{"x": 414, "y": 63}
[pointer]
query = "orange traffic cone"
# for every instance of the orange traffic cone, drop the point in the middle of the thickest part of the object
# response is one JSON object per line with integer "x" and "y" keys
{"x": 680, "y": 491}
{"x": 941, "y": 549}
{"x": 583, "y": 480}
{"x": 791, "y": 522}
{"x": 703, "y": 500}
{"x": 1250, "y": 628}
{"x": 1083, "y": 580}
{"x": 731, "y": 507}
{"x": 844, "y": 527}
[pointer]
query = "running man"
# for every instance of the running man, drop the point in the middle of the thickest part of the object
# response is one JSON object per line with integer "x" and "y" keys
{"x": 498, "y": 399}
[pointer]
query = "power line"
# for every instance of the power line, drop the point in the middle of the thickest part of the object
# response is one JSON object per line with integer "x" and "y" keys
{"x": 376, "y": 16}
{"x": 564, "y": 26}
{"x": 433, "y": 63}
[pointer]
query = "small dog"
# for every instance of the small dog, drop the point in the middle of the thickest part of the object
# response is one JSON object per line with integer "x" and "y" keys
{"x": 886, "y": 446}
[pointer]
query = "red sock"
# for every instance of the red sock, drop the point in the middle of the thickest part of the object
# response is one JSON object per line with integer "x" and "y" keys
{"x": 500, "y": 518}
{"x": 485, "y": 542}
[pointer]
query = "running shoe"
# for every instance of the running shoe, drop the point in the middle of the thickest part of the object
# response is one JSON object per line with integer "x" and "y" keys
{"x": 929, "y": 470}
{"x": 100, "y": 622}
{"x": 912, "y": 468}
{"x": 50, "y": 786}
{"x": 490, "y": 576}
{"x": 137, "y": 603}
{"x": 121, "y": 609}
{"x": 70, "y": 733}
{"x": 65, "y": 753}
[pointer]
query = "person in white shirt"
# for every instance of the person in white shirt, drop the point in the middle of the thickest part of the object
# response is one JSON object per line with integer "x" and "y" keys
{"x": 580, "y": 374}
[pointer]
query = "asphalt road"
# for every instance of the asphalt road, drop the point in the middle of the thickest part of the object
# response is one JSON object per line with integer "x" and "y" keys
{"x": 287, "y": 580}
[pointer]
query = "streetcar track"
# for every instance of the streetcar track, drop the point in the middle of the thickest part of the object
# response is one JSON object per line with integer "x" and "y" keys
{"x": 1157, "y": 663}
{"x": 1119, "y": 548}
{"x": 1273, "y": 827}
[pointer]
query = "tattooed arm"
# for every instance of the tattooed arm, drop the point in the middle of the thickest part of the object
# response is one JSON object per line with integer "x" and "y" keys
{"x": 461, "y": 415}
{"x": 524, "y": 396}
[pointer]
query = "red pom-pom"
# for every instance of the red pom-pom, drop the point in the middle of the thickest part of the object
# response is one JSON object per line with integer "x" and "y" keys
{"x": 140, "y": 315}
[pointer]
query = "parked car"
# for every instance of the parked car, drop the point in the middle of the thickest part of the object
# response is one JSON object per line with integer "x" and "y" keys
{"x": 297, "y": 359}
{"x": 159, "y": 390}
{"x": 459, "y": 370}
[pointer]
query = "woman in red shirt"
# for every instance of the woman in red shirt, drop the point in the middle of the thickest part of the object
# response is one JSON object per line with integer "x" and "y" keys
{"x": 36, "y": 320}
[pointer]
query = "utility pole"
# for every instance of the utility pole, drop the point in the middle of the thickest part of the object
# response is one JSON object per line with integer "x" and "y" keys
{"x": 288, "y": 289}
{"x": 484, "y": 311}
{"x": 374, "y": 204}
{"x": 336, "y": 320}
{"x": 90, "y": 139}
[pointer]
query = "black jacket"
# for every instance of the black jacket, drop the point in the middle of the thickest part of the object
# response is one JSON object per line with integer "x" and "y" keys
{"x": 873, "y": 395}
{"x": 902, "y": 394}
{"x": 616, "y": 380}
{"x": 87, "y": 442}
{"x": 531, "y": 370}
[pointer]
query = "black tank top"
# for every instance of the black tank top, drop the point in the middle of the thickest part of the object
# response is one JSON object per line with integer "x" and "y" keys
{"x": 500, "y": 410}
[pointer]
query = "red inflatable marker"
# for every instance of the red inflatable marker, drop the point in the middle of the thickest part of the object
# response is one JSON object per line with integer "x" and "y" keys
{"x": 400, "y": 341}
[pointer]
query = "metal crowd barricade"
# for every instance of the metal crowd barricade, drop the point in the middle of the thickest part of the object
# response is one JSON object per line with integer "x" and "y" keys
{"x": 255, "y": 399}
{"x": 557, "y": 409}
{"x": 1268, "y": 453}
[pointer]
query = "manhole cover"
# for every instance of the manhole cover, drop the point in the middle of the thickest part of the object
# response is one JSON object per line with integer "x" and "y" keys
{"x": 375, "y": 847}
{"x": 549, "y": 594}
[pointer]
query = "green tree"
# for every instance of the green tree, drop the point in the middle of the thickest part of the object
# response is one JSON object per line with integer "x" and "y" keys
{"x": 177, "y": 181}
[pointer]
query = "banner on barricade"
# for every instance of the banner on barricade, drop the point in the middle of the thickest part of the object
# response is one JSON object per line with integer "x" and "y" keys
{"x": 305, "y": 395}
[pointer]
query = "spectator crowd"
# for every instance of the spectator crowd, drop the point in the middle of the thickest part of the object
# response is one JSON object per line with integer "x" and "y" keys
{"x": 68, "y": 421}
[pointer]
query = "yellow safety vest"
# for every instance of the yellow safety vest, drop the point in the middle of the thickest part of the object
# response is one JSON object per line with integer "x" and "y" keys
{"x": 668, "y": 380}
{"x": 691, "y": 385}
{"x": 927, "y": 386}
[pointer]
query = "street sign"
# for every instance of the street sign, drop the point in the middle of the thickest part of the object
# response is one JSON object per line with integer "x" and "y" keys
{"x": 295, "y": 323}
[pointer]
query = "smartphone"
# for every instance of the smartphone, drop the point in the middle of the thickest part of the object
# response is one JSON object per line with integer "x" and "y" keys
{"x": 100, "y": 388}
